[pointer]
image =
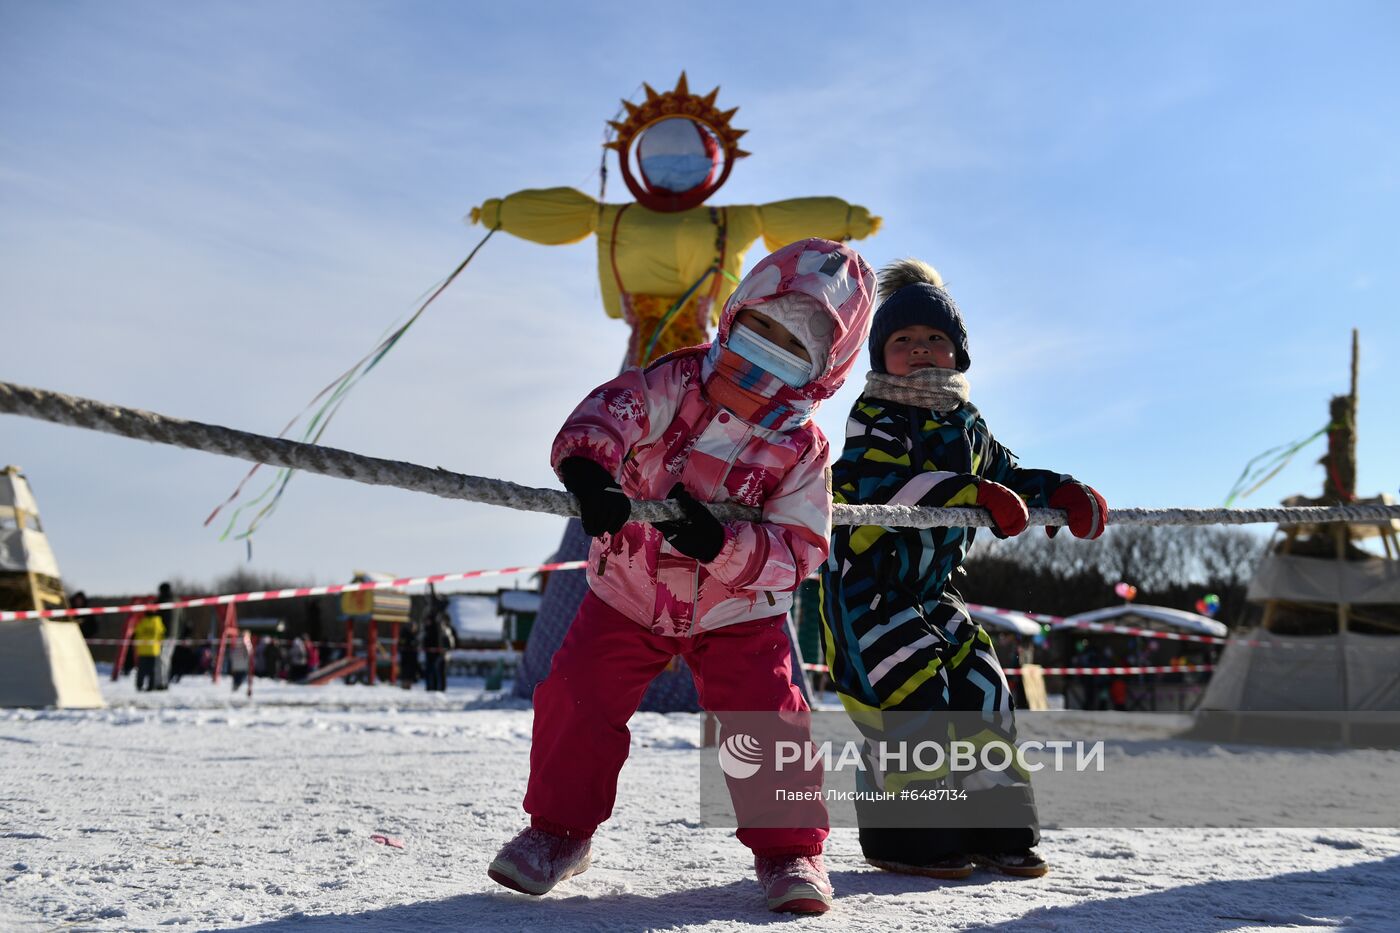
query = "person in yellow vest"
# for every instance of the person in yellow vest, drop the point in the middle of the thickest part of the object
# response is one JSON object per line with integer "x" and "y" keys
{"x": 150, "y": 632}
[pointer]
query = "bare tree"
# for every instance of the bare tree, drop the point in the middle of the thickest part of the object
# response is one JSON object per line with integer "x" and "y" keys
{"x": 1170, "y": 566}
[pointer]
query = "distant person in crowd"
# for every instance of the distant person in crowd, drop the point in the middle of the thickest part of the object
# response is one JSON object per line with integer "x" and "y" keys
{"x": 437, "y": 641}
{"x": 1118, "y": 693}
{"x": 149, "y": 637}
{"x": 1085, "y": 687}
{"x": 410, "y": 671}
{"x": 298, "y": 661}
{"x": 237, "y": 660}
{"x": 87, "y": 625}
{"x": 313, "y": 653}
{"x": 183, "y": 660}
{"x": 171, "y": 618}
{"x": 314, "y": 634}
{"x": 272, "y": 658}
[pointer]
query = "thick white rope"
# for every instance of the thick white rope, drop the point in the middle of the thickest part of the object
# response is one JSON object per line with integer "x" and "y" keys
{"x": 328, "y": 461}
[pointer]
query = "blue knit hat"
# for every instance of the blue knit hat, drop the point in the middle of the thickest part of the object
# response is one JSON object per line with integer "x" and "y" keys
{"x": 919, "y": 303}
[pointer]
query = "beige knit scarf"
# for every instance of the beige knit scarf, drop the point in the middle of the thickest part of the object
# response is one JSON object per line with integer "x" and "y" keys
{"x": 941, "y": 390}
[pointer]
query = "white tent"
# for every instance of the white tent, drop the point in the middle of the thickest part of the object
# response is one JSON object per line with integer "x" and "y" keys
{"x": 475, "y": 618}
{"x": 42, "y": 662}
{"x": 1005, "y": 620}
{"x": 1307, "y": 653}
{"x": 1265, "y": 671}
{"x": 1160, "y": 617}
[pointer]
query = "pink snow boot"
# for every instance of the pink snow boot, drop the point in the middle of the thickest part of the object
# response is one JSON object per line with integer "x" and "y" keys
{"x": 794, "y": 884}
{"x": 535, "y": 861}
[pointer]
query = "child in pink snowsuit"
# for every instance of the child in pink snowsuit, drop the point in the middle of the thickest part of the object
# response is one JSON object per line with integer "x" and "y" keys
{"x": 729, "y": 421}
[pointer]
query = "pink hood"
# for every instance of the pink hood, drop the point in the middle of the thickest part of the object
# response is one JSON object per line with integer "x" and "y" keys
{"x": 838, "y": 278}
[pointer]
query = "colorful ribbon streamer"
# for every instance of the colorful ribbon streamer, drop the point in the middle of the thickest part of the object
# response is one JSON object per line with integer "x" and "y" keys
{"x": 334, "y": 395}
{"x": 1278, "y": 458}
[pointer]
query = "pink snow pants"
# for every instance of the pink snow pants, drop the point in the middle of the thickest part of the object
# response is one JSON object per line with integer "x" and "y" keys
{"x": 596, "y": 683}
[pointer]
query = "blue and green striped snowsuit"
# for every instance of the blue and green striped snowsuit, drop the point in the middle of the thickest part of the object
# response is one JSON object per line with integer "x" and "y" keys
{"x": 897, "y": 636}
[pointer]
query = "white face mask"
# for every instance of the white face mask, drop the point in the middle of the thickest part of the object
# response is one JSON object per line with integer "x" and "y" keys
{"x": 806, "y": 320}
{"x": 768, "y": 356}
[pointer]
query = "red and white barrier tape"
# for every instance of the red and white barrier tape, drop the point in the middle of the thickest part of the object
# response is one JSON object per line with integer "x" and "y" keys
{"x": 1084, "y": 671}
{"x": 385, "y": 644}
{"x": 295, "y": 592}
{"x": 262, "y": 595}
{"x": 1098, "y": 671}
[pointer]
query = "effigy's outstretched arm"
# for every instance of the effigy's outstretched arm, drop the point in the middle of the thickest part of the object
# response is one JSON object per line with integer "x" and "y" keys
{"x": 832, "y": 218}
{"x": 551, "y": 216}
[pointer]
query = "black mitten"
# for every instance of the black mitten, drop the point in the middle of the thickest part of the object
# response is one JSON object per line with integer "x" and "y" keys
{"x": 699, "y": 535}
{"x": 601, "y": 503}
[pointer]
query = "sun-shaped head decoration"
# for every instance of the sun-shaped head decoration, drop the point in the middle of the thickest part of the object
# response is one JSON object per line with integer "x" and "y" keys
{"x": 684, "y": 145}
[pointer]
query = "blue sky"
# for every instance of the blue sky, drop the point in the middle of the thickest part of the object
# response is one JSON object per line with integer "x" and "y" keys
{"x": 1161, "y": 223}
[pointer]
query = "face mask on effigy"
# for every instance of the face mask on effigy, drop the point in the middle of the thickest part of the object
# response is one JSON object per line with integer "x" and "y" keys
{"x": 768, "y": 356}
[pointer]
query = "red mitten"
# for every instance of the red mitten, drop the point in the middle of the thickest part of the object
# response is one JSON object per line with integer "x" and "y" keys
{"x": 1008, "y": 510}
{"x": 1088, "y": 512}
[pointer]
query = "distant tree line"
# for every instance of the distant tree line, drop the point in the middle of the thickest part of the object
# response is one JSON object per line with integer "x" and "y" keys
{"x": 1171, "y": 566}
{"x": 239, "y": 580}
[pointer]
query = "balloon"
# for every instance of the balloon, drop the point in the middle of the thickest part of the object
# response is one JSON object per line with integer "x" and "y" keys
{"x": 1210, "y": 605}
{"x": 1125, "y": 591}
{"x": 1201, "y": 606}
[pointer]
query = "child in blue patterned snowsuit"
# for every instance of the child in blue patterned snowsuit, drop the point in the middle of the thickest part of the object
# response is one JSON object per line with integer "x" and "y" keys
{"x": 898, "y": 637}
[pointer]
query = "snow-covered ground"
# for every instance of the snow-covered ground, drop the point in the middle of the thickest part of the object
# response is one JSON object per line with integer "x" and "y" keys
{"x": 200, "y": 809}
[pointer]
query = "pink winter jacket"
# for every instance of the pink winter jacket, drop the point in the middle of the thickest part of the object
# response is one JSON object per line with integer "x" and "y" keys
{"x": 653, "y": 428}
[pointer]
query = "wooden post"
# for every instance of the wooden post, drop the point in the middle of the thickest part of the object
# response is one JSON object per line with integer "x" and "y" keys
{"x": 128, "y": 629}
{"x": 394, "y": 653}
{"x": 1347, "y": 470}
{"x": 372, "y": 650}
{"x": 228, "y": 632}
{"x": 1033, "y": 686}
{"x": 1339, "y": 483}
{"x": 1355, "y": 362}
